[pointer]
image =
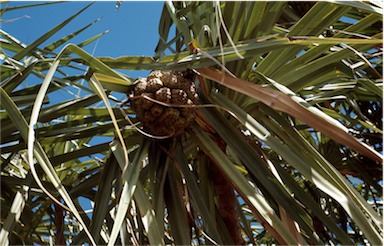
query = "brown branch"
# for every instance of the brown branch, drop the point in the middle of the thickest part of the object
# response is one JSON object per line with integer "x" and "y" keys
{"x": 59, "y": 223}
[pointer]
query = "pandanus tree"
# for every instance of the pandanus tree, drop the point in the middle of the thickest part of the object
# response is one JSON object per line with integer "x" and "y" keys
{"x": 260, "y": 122}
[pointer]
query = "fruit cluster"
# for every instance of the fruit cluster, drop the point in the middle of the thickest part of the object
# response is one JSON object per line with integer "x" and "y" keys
{"x": 161, "y": 102}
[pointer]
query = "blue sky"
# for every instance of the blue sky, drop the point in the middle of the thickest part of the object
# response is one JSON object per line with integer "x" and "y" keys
{"x": 133, "y": 29}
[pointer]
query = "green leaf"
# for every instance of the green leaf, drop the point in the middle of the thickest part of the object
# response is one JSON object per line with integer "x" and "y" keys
{"x": 285, "y": 103}
{"x": 197, "y": 200}
{"x": 38, "y": 152}
{"x": 16, "y": 209}
{"x": 250, "y": 193}
{"x": 131, "y": 176}
{"x": 30, "y": 5}
{"x": 176, "y": 209}
{"x": 30, "y": 48}
{"x": 151, "y": 226}
{"x": 324, "y": 176}
{"x": 65, "y": 39}
{"x": 90, "y": 40}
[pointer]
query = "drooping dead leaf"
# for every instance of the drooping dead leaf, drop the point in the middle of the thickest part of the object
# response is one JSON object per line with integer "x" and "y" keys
{"x": 282, "y": 102}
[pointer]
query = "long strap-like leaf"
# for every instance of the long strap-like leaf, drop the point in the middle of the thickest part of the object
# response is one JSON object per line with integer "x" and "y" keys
{"x": 32, "y": 47}
{"x": 32, "y": 143}
{"x": 36, "y": 150}
{"x": 282, "y": 102}
{"x": 248, "y": 191}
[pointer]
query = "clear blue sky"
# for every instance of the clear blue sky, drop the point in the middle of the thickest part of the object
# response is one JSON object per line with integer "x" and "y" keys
{"x": 133, "y": 29}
